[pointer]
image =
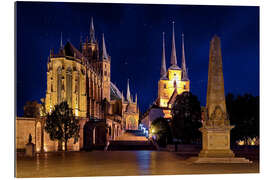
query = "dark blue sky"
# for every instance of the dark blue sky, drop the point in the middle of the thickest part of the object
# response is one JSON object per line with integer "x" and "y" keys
{"x": 133, "y": 35}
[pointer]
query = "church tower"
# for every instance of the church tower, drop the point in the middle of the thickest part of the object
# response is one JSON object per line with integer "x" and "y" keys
{"x": 105, "y": 65}
{"x": 90, "y": 48}
{"x": 130, "y": 110}
{"x": 173, "y": 81}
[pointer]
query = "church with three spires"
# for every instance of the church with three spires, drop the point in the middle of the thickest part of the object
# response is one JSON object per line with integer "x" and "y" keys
{"x": 82, "y": 78}
{"x": 173, "y": 81}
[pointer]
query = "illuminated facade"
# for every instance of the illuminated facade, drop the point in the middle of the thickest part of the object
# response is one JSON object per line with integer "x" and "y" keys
{"x": 130, "y": 111}
{"x": 82, "y": 77}
{"x": 173, "y": 81}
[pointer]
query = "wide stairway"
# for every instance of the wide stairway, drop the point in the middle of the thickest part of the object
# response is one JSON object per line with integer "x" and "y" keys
{"x": 131, "y": 140}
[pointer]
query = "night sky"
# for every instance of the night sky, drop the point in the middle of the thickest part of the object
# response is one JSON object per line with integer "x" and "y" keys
{"x": 133, "y": 35}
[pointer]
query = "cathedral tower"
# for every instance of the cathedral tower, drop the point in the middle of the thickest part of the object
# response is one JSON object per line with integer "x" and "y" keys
{"x": 105, "y": 65}
{"x": 90, "y": 47}
{"x": 130, "y": 111}
{"x": 175, "y": 80}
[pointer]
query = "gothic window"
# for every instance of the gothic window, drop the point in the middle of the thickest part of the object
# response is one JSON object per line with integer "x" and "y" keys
{"x": 59, "y": 84}
{"x": 184, "y": 86}
{"x": 78, "y": 90}
{"x": 164, "y": 86}
{"x": 105, "y": 73}
{"x": 174, "y": 84}
{"x": 69, "y": 86}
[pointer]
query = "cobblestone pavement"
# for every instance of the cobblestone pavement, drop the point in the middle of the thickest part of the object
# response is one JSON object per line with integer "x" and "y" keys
{"x": 119, "y": 163}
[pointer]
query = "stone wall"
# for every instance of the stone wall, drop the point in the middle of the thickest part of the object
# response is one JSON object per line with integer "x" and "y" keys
{"x": 33, "y": 126}
{"x": 24, "y": 127}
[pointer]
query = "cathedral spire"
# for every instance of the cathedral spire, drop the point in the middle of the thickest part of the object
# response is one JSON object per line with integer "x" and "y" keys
{"x": 92, "y": 31}
{"x": 123, "y": 98}
{"x": 128, "y": 92}
{"x": 80, "y": 42}
{"x": 61, "y": 50}
{"x": 184, "y": 69}
{"x": 136, "y": 99}
{"x": 163, "y": 61}
{"x": 104, "y": 51}
{"x": 61, "y": 42}
{"x": 173, "y": 53}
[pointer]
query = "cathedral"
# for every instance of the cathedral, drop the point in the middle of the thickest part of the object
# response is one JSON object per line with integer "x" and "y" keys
{"x": 82, "y": 77}
{"x": 173, "y": 81}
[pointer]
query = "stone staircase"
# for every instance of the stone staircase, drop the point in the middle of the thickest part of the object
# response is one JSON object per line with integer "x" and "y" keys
{"x": 130, "y": 140}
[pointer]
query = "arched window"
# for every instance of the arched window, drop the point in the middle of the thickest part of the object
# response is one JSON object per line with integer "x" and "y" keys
{"x": 174, "y": 84}
{"x": 78, "y": 90}
{"x": 59, "y": 85}
{"x": 69, "y": 86}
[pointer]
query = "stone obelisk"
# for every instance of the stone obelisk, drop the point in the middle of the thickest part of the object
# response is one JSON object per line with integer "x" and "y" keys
{"x": 216, "y": 125}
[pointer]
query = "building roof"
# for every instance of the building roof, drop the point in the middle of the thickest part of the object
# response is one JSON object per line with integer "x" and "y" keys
{"x": 173, "y": 97}
{"x": 115, "y": 93}
{"x": 70, "y": 50}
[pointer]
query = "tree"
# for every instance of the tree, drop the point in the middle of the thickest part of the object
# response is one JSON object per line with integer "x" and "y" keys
{"x": 61, "y": 125}
{"x": 186, "y": 118}
{"x": 31, "y": 109}
{"x": 161, "y": 129}
{"x": 244, "y": 113}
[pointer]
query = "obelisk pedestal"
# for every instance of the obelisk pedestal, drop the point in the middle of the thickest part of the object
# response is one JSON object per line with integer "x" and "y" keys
{"x": 216, "y": 142}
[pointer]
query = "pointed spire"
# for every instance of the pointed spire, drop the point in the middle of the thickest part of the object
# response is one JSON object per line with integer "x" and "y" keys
{"x": 123, "y": 98}
{"x": 104, "y": 51}
{"x": 128, "y": 92}
{"x": 80, "y": 42}
{"x": 61, "y": 42}
{"x": 92, "y": 31}
{"x": 136, "y": 98}
{"x": 184, "y": 69}
{"x": 173, "y": 53}
{"x": 163, "y": 61}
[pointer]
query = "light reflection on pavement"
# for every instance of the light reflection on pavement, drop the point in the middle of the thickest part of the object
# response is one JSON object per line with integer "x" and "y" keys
{"x": 119, "y": 163}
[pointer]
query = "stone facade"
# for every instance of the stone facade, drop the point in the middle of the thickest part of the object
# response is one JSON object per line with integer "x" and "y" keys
{"x": 24, "y": 127}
